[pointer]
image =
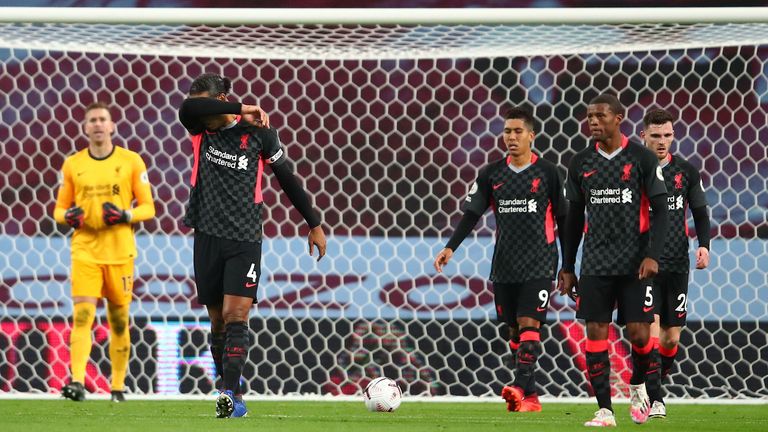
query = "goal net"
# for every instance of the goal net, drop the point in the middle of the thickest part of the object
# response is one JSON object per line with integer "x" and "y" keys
{"x": 387, "y": 125}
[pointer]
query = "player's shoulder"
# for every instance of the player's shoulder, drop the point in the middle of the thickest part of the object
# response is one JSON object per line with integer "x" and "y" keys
{"x": 683, "y": 163}
{"x": 259, "y": 132}
{"x": 126, "y": 154}
{"x": 494, "y": 165}
{"x": 546, "y": 165}
{"x": 642, "y": 153}
{"x": 78, "y": 157}
{"x": 581, "y": 156}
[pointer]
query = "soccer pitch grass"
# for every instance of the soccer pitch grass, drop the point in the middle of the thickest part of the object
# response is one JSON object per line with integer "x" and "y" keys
{"x": 150, "y": 416}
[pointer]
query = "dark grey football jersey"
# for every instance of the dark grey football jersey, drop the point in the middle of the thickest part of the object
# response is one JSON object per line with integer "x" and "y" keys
{"x": 614, "y": 189}
{"x": 684, "y": 190}
{"x": 226, "y": 195}
{"x": 525, "y": 203}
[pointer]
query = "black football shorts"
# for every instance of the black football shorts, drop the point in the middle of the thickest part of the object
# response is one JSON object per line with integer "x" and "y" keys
{"x": 670, "y": 291}
{"x": 600, "y": 295}
{"x": 525, "y": 299}
{"x": 225, "y": 266}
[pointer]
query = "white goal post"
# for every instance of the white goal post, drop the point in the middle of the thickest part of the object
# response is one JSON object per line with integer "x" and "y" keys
{"x": 387, "y": 114}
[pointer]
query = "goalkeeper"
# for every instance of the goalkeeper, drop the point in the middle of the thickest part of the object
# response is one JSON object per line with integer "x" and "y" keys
{"x": 97, "y": 187}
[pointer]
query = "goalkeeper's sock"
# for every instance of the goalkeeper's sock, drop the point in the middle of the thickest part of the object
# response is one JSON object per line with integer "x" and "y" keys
{"x": 599, "y": 370}
{"x": 119, "y": 343}
{"x": 527, "y": 355}
{"x": 217, "y": 352}
{"x": 667, "y": 359}
{"x": 235, "y": 354}
{"x": 81, "y": 339}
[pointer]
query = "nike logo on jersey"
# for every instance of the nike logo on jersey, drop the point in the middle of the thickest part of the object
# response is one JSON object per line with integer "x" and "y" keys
{"x": 647, "y": 309}
{"x": 540, "y": 309}
{"x": 589, "y": 173}
{"x": 250, "y": 285}
{"x": 496, "y": 186}
{"x": 80, "y": 173}
{"x": 681, "y": 314}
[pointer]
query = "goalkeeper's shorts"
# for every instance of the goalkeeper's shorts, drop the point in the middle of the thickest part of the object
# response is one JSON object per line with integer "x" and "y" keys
{"x": 111, "y": 281}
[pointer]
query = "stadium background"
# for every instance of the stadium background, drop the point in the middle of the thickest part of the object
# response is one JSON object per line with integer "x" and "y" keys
{"x": 390, "y": 180}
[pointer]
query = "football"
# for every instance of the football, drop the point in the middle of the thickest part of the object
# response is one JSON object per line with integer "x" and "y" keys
{"x": 382, "y": 395}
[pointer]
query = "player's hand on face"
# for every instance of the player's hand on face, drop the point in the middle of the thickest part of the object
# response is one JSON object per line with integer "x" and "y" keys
{"x": 74, "y": 217}
{"x": 566, "y": 284}
{"x": 442, "y": 259}
{"x": 702, "y": 258}
{"x": 255, "y": 115}
{"x": 648, "y": 268}
{"x": 316, "y": 237}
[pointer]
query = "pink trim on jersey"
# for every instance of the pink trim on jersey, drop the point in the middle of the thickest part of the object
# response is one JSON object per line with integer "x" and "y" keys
{"x": 549, "y": 224}
{"x": 197, "y": 140}
{"x": 685, "y": 212}
{"x": 645, "y": 216}
{"x": 624, "y": 142}
{"x": 669, "y": 157}
{"x": 257, "y": 197}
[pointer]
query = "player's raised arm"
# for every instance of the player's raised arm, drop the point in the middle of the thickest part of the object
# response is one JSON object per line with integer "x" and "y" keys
{"x": 207, "y": 106}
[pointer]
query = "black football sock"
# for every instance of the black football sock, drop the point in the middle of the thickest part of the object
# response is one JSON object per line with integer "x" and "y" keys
{"x": 599, "y": 371}
{"x": 527, "y": 356}
{"x": 235, "y": 354}
{"x": 217, "y": 352}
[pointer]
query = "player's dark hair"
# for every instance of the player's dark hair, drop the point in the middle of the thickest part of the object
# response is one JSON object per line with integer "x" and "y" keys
{"x": 611, "y": 100}
{"x": 520, "y": 113}
{"x": 657, "y": 116}
{"x": 97, "y": 105}
{"x": 212, "y": 83}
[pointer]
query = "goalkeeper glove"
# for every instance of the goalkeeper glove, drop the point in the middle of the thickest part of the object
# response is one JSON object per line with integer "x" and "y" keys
{"x": 113, "y": 215}
{"x": 74, "y": 217}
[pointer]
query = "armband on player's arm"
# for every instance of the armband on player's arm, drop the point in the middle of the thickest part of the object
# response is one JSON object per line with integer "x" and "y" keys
{"x": 465, "y": 226}
{"x": 574, "y": 230}
{"x": 701, "y": 221}
{"x": 296, "y": 193}
{"x": 659, "y": 225}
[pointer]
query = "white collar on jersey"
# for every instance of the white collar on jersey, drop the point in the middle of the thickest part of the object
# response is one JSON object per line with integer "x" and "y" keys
{"x": 610, "y": 156}
{"x": 518, "y": 170}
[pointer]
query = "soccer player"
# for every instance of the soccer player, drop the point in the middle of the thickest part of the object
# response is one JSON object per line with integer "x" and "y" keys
{"x": 670, "y": 286}
{"x": 615, "y": 180}
{"x": 525, "y": 192}
{"x": 97, "y": 187}
{"x": 231, "y": 145}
